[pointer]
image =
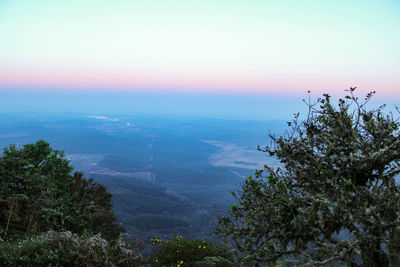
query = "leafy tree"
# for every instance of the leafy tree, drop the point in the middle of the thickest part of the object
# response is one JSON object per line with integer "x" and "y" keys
{"x": 335, "y": 198}
{"x": 38, "y": 192}
{"x": 92, "y": 208}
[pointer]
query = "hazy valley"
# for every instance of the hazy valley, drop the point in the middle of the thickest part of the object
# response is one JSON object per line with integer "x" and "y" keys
{"x": 167, "y": 176}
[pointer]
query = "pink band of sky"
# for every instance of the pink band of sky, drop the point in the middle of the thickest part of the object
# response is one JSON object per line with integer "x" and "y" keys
{"x": 278, "y": 83}
{"x": 257, "y": 47}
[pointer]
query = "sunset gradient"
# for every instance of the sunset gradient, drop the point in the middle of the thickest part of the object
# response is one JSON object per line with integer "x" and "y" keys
{"x": 235, "y": 46}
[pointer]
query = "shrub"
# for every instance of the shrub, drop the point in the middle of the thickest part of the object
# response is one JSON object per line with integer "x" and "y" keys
{"x": 191, "y": 252}
{"x": 68, "y": 249}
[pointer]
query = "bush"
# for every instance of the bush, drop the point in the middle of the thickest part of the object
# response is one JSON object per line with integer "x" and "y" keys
{"x": 68, "y": 249}
{"x": 191, "y": 252}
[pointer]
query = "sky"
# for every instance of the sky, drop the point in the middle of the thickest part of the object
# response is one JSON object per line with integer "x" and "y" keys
{"x": 270, "y": 51}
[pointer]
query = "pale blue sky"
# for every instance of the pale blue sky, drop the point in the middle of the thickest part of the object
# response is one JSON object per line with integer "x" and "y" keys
{"x": 232, "y": 58}
{"x": 236, "y": 45}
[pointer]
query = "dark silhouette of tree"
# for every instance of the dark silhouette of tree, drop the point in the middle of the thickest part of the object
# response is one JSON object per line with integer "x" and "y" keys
{"x": 335, "y": 198}
{"x": 99, "y": 217}
{"x": 38, "y": 192}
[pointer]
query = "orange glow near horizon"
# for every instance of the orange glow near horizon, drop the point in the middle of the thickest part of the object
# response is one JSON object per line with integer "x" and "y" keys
{"x": 278, "y": 83}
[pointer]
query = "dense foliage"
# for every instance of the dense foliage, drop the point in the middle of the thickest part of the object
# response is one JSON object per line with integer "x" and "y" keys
{"x": 335, "y": 198}
{"x": 190, "y": 252}
{"x": 68, "y": 249}
{"x": 38, "y": 192}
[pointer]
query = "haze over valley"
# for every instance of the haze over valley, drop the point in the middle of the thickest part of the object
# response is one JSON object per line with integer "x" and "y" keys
{"x": 167, "y": 176}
